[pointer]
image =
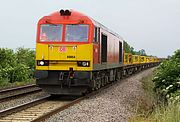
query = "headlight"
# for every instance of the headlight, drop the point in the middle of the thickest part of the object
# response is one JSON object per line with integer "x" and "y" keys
{"x": 42, "y": 63}
{"x": 83, "y": 63}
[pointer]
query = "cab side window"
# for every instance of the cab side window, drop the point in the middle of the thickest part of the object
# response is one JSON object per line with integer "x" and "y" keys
{"x": 96, "y": 35}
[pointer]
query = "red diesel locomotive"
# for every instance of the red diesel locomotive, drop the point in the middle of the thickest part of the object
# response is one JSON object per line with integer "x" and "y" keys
{"x": 76, "y": 54}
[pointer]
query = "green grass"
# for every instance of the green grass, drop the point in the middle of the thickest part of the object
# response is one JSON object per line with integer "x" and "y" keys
{"x": 169, "y": 113}
{"x": 146, "y": 105}
{"x": 153, "y": 110}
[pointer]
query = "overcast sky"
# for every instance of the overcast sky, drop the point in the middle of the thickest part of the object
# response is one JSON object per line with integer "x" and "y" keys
{"x": 153, "y": 25}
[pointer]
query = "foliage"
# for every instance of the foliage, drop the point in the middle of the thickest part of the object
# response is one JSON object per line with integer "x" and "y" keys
{"x": 16, "y": 66}
{"x": 26, "y": 57}
{"x": 6, "y": 58}
{"x": 167, "y": 86}
{"x": 158, "y": 111}
{"x": 129, "y": 49}
{"x": 167, "y": 79}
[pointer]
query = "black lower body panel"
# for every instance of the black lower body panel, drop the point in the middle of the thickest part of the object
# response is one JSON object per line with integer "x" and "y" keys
{"x": 63, "y": 82}
{"x": 58, "y": 90}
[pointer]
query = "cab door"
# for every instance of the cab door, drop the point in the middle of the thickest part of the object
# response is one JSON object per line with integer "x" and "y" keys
{"x": 96, "y": 46}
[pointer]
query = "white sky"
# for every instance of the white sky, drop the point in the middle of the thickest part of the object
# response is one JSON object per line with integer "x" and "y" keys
{"x": 153, "y": 25}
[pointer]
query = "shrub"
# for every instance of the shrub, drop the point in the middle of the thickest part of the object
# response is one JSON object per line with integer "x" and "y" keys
{"x": 20, "y": 73}
{"x": 7, "y": 57}
{"x": 167, "y": 79}
{"x": 16, "y": 67}
{"x": 26, "y": 57}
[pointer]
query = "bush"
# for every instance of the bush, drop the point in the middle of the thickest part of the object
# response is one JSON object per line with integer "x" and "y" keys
{"x": 26, "y": 57}
{"x": 16, "y": 67}
{"x": 7, "y": 57}
{"x": 20, "y": 73}
{"x": 167, "y": 79}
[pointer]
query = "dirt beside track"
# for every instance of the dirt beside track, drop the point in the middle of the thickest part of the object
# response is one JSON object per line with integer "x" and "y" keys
{"x": 115, "y": 103}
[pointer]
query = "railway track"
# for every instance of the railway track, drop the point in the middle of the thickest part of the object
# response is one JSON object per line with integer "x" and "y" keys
{"x": 9, "y": 114}
{"x": 36, "y": 110}
{"x": 41, "y": 109}
{"x": 17, "y": 92}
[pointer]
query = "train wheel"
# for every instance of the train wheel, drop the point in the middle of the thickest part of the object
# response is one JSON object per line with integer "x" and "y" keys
{"x": 124, "y": 73}
{"x": 118, "y": 76}
{"x": 96, "y": 85}
{"x": 102, "y": 81}
{"x": 106, "y": 79}
{"x": 93, "y": 85}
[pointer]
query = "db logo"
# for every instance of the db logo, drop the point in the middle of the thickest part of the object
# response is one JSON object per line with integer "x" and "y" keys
{"x": 62, "y": 49}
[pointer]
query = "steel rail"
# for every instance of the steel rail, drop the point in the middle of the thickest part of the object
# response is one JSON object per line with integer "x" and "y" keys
{"x": 19, "y": 95}
{"x": 47, "y": 115}
{"x": 17, "y": 92}
{"x": 16, "y": 88}
{"x": 11, "y": 110}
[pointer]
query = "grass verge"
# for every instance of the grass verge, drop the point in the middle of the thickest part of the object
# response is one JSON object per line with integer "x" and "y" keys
{"x": 153, "y": 110}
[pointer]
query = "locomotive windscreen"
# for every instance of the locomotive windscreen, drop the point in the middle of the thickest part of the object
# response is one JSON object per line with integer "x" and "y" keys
{"x": 51, "y": 33}
{"x": 76, "y": 33}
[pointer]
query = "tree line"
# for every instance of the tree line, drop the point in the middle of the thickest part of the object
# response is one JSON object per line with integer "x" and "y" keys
{"x": 130, "y": 49}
